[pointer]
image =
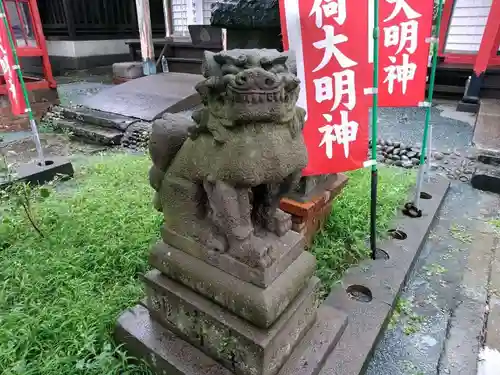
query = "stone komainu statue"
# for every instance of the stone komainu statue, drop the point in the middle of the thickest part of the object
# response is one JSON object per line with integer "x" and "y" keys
{"x": 219, "y": 180}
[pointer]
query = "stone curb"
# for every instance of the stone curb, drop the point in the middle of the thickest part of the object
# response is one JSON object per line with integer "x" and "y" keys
{"x": 369, "y": 291}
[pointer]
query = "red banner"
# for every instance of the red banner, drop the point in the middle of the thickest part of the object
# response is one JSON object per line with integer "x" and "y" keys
{"x": 405, "y": 31}
{"x": 7, "y": 64}
{"x": 334, "y": 76}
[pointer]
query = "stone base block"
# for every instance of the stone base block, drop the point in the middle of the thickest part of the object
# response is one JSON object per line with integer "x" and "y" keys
{"x": 167, "y": 354}
{"x": 308, "y": 217}
{"x": 257, "y": 305}
{"x": 164, "y": 352}
{"x": 308, "y": 357}
{"x": 463, "y": 106}
{"x": 128, "y": 70}
{"x": 237, "y": 344}
{"x": 35, "y": 173}
{"x": 286, "y": 250}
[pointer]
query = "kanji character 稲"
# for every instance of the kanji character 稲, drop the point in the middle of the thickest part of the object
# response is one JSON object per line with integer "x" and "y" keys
{"x": 402, "y": 5}
{"x": 329, "y": 8}
{"x": 342, "y": 134}
{"x": 400, "y": 73}
{"x": 329, "y": 45}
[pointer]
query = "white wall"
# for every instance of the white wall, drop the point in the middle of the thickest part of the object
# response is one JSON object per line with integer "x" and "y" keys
{"x": 467, "y": 25}
{"x": 86, "y": 48}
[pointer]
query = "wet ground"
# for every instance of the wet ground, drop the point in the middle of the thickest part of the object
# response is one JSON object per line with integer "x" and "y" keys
{"x": 440, "y": 322}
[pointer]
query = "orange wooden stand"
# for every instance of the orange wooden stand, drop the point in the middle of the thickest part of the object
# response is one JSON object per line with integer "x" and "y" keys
{"x": 309, "y": 217}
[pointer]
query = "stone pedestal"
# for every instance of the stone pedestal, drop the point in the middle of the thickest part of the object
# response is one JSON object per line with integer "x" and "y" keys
{"x": 310, "y": 210}
{"x": 254, "y": 325}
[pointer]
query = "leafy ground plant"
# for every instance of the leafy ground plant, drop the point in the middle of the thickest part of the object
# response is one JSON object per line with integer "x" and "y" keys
{"x": 61, "y": 293}
{"x": 343, "y": 242}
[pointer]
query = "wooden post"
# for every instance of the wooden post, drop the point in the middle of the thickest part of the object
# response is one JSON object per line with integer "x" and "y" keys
{"x": 146, "y": 37}
{"x": 166, "y": 15}
{"x": 198, "y": 6}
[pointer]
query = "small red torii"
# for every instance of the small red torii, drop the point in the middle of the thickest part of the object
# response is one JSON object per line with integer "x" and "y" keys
{"x": 26, "y": 29}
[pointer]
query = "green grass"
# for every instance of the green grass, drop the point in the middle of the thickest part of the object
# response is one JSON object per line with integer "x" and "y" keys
{"x": 344, "y": 240}
{"x": 60, "y": 295}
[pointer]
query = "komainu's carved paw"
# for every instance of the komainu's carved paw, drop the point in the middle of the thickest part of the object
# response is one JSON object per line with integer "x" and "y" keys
{"x": 252, "y": 251}
{"x": 214, "y": 241}
{"x": 280, "y": 223}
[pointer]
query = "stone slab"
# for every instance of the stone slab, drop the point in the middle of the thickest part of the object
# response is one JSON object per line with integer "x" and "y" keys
{"x": 487, "y": 130}
{"x": 92, "y": 134}
{"x": 164, "y": 352}
{"x": 147, "y": 98}
{"x": 493, "y": 324}
{"x": 382, "y": 281}
{"x": 316, "y": 199}
{"x": 366, "y": 321}
{"x": 257, "y": 305}
{"x": 102, "y": 119}
{"x": 240, "y": 346}
{"x": 287, "y": 249}
{"x": 128, "y": 69}
{"x": 309, "y": 191}
{"x": 36, "y": 174}
{"x": 309, "y": 356}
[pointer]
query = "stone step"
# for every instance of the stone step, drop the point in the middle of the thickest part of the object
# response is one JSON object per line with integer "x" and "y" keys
{"x": 89, "y": 133}
{"x": 310, "y": 355}
{"x": 94, "y": 117}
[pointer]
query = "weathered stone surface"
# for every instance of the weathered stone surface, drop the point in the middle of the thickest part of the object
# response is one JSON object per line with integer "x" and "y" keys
{"x": 221, "y": 179}
{"x": 231, "y": 277}
{"x": 286, "y": 249}
{"x": 259, "y": 306}
{"x": 129, "y": 69}
{"x": 241, "y": 347}
{"x": 309, "y": 356}
{"x": 164, "y": 352}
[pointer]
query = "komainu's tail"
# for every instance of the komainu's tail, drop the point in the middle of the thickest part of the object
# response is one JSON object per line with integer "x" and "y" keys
{"x": 167, "y": 137}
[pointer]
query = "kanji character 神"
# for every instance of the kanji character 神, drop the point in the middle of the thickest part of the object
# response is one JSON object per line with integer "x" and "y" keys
{"x": 402, "y": 5}
{"x": 342, "y": 134}
{"x": 329, "y": 45}
{"x": 400, "y": 73}
{"x": 329, "y": 8}
{"x": 404, "y": 35}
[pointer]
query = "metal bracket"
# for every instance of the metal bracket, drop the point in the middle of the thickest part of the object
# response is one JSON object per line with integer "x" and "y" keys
{"x": 425, "y": 104}
{"x": 369, "y": 163}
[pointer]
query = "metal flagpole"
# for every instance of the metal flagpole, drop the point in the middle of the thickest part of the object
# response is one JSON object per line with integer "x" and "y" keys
{"x": 427, "y": 130}
{"x": 374, "y": 177}
{"x": 34, "y": 128}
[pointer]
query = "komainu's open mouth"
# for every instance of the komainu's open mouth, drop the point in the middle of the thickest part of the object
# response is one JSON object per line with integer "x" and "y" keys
{"x": 253, "y": 96}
